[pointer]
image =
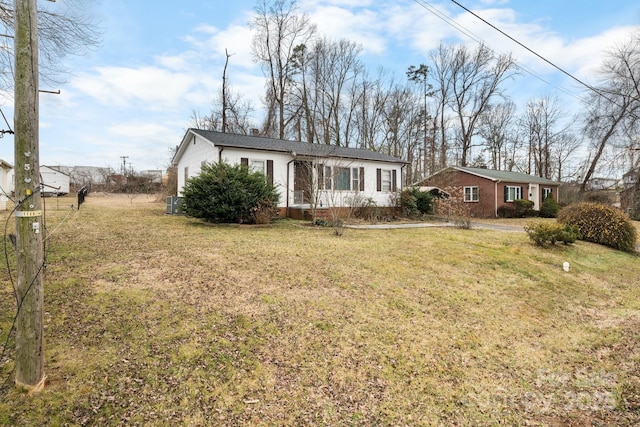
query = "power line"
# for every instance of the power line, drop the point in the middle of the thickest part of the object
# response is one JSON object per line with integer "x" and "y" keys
{"x": 527, "y": 48}
{"x": 597, "y": 91}
{"x": 479, "y": 40}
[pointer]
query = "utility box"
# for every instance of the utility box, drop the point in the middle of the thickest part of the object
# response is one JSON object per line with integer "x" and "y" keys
{"x": 174, "y": 205}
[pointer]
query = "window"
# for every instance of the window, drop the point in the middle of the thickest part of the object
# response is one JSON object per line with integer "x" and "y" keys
{"x": 257, "y": 166}
{"x": 327, "y": 178}
{"x": 546, "y": 192}
{"x": 386, "y": 180}
{"x": 355, "y": 179}
{"x": 471, "y": 194}
{"x": 186, "y": 173}
{"x": 512, "y": 193}
{"x": 341, "y": 179}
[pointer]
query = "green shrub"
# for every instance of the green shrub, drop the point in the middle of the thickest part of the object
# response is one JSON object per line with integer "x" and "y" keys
{"x": 524, "y": 208}
{"x": 550, "y": 207}
{"x": 506, "y": 211}
{"x": 415, "y": 202}
{"x": 223, "y": 194}
{"x": 542, "y": 233}
{"x": 601, "y": 224}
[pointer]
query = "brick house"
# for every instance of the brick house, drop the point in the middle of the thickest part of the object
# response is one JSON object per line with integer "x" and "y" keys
{"x": 483, "y": 191}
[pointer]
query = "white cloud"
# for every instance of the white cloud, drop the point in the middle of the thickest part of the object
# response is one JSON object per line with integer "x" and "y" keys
{"x": 154, "y": 87}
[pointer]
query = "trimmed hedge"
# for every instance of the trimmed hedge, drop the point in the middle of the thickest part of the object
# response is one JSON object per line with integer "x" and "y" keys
{"x": 601, "y": 224}
{"x": 542, "y": 233}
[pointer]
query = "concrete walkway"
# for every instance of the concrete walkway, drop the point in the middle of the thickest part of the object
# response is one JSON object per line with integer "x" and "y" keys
{"x": 391, "y": 226}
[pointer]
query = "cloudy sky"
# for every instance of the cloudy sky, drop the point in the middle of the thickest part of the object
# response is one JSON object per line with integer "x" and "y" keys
{"x": 158, "y": 62}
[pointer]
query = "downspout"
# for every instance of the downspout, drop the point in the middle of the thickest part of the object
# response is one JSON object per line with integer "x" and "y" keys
{"x": 293, "y": 155}
{"x": 401, "y": 174}
{"x": 495, "y": 199}
{"x": 220, "y": 150}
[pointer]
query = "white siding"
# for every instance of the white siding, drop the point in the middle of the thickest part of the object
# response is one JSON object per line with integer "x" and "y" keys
{"x": 200, "y": 150}
{"x": 197, "y": 151}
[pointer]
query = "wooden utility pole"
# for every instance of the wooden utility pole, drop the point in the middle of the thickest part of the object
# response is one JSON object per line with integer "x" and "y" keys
{"x": 29, "y": 253}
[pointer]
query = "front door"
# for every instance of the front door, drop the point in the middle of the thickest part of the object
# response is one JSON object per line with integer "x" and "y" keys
{"x": 534, "y": 196}
{"x": 302, "y": 182}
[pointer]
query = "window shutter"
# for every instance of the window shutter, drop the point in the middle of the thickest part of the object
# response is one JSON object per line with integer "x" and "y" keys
{"x": 320, "y": 169}
{"x": 244, "y": 161}
{"x": 522, "y": 196}
{"x": 378, "y": 179}
{"x": 270, "y": 171}
{"x": 394, "y": 181}
{"x": 506, "y": 193}
{"x": 361, "y": 179}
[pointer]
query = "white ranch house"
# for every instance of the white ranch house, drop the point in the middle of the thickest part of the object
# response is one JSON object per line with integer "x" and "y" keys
{"x": 305, "y": 174}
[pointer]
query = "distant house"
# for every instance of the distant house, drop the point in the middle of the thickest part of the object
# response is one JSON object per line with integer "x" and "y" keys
{"x": 6, "y": 184}
{"x": 54, "y": 182}
{"x": 304, "y": 174}
{"x": 630, "y": 195}
{"x": 483, "y": 191}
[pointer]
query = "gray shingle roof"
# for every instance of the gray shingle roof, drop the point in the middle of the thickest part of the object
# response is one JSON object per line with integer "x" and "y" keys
{"x": 300, "y": 148}
{"x": 507, "y": 176}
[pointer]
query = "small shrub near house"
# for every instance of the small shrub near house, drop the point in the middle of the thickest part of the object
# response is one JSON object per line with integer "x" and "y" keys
{"x": 601, "y": 224}
{"x": 506, "y": 211}
{"x": 222, "y": 193}
{"x": 524, "y": 208}
{"x": 550, "y": 207}
{"x": 542, "y": 233}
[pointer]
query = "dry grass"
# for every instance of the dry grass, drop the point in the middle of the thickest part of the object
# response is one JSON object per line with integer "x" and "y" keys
{"x": 162, "y": 320}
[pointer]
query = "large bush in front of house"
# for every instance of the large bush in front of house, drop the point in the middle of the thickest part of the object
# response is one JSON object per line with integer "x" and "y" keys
{"x": 415, "y": 202}
{"x": 601, "y": 224}
{"x": 222, "y": 193}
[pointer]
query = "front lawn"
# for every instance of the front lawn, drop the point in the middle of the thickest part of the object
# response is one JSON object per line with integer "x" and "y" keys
{"x": 154, "y": 319}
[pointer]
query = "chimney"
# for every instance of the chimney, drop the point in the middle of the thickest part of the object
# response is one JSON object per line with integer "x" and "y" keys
{"x": 255, "y": 132}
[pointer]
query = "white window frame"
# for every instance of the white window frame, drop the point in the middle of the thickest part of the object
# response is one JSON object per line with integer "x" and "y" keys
{"x": 470, "y": 195}
{"x": 517, "y": 193}
{"x": 386, "y": 183}
{"x": 546, "y": 191}
{"x": 256, "y": 165}
{"x": 355, "y": 179}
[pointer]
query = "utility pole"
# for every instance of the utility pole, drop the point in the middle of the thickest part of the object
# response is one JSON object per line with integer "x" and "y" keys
{"x": 29, "y": 252}
{"x": 124, "y": 164}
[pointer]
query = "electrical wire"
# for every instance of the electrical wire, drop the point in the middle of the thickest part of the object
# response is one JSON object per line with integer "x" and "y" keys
{"x": 479, "y": 40}
{"x": 593, "y": 89}
{"x": 19, "y": 301}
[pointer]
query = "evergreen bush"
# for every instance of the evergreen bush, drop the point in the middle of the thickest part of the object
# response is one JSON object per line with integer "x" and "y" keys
{"x": 524, "y": 208}
{"x": 550, "y": 207}
{"x": 415, "y": 202}
{"x": 542, "y": 233}
{"x": 222, "y": 193}
{"x": 600, "y": 224}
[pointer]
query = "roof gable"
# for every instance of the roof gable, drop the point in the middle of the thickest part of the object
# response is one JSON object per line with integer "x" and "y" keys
{"x": 298, "y": 148}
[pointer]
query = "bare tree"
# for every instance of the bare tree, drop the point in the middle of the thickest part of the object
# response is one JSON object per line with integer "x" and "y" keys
{"x": 326, "y": 72}
{"x": 543, "y": 129}
{"x": 614, "y": 105}
{"x": 471, "y": 80}
{"x": 420, "y": 76}
{"x": 495, "y": 127}
{"x": 278, "y": 31}
{"x": 64, "y": 29}
{"x": 229, "y": 111}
